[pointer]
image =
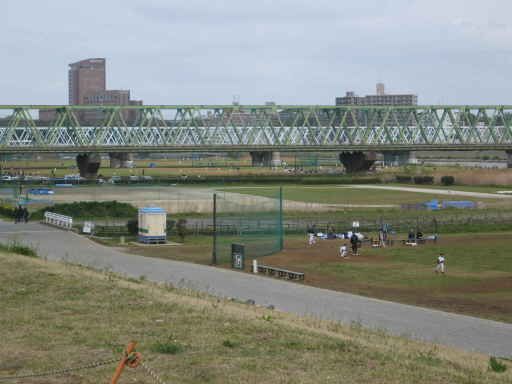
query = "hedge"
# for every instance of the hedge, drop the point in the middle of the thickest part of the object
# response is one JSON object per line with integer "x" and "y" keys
{"x": 447, "y": 180}
{"x": 90, "y": 209}
{"x": 423, "y": 179}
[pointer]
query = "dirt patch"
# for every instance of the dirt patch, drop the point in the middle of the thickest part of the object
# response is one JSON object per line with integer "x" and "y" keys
{"x": 484, "y": 294}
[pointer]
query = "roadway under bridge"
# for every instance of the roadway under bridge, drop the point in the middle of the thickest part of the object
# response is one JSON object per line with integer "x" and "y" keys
{"x": 355, "y": 132}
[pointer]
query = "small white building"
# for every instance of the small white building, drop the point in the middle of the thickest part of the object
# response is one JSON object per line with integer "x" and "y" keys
{"x": 152, "y": 225}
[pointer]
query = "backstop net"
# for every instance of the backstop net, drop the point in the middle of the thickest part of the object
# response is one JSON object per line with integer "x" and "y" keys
{"x": 256, "y": 222}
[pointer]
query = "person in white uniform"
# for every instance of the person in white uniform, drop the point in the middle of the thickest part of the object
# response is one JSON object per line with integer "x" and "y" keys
{"x": 343, "y": 250}
{"x": 312, "y": 239}
{"x": 440, "y": 267}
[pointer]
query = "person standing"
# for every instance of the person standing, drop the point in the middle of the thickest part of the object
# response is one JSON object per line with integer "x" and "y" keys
{"x": 17, "y": 214}
{"x": 25, "y": 214}
{"x": 440, "y": 266}
{"x": 343, "y": 250}
{"x": 354, "y": 240}
{"x": 312, "y": 239}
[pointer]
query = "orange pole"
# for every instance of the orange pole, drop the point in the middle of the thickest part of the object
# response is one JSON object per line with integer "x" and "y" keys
{"x": 122, "y": 363}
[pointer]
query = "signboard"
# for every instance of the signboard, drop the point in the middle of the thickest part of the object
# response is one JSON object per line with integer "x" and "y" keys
{"x": 355, "y": 224}
{"x": 237, "y": 256}
{"x": 88, "y": 227}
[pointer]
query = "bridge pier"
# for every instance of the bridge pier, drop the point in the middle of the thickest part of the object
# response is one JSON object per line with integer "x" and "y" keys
{"x": 121, "y": 160}
{"x": 88, "y": 164}
{"x": 509, "y": 158}
{"x": 357, "y": 161}
{"x": 265, "y": 158}
{"x": 399, "y": 158}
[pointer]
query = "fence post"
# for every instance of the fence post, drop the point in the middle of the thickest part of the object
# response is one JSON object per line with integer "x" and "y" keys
{"x": 214, "y": 250}
{"x": 281, "y": 235}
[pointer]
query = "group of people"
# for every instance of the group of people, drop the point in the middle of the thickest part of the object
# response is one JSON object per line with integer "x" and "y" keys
{"x": 21, "y": 214}
{"x": 354, "y": 242}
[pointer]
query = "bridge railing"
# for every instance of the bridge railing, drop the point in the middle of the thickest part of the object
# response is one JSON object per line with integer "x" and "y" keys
{"x": 58, "y": 220}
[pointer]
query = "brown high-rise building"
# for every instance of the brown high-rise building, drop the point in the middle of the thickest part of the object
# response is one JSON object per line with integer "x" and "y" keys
{"x": 88, "y": 86}
{"x": 86, "y": 77}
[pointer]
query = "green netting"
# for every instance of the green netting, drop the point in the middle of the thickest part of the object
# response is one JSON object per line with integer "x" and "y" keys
{"x": 253, "y": 221}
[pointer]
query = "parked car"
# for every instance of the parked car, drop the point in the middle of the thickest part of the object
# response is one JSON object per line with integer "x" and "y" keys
{"x": 41, "y": 191}
{"x": 114, "y": 179}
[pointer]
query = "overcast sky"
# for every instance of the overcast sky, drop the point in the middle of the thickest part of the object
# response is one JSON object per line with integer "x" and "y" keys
{"x": 287, "y": 51}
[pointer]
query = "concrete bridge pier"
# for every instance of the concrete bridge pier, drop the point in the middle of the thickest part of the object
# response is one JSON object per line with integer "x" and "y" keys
{"x": 509, "y": 158}
{"x": 121, "y": 160}
{"x": 399, "y": 158}
{"x": 357, "y": 161}
{"x": 265, "y": 158}
{"x": 276, "y": 159}
{"x": 88, "y": 164}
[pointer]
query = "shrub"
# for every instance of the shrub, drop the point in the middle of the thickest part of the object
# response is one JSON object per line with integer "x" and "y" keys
{"x": 181, "y": 229}
{"x": 403, "y": 179}
{"x": 496, "y": 366}
{"x": 447, "y": 180}
{"x": 21, "y": 249}
{"x": 228, "y": 344}
{"x": 168, "y": 348}
{"x": 90, "y": 209}
{"x": 423, "y": 179}
{"x": 6, "y": 211}
{"x": 133, "y": 226}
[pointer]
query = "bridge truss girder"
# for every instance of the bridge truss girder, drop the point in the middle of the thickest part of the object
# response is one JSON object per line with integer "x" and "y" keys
{"x": 210, "y": 128}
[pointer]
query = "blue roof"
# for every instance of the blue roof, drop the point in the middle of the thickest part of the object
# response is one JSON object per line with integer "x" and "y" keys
{"x": 151, "y": 210}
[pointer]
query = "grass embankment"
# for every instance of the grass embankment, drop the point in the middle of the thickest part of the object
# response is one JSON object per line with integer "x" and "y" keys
{"x": 55, "y": 316}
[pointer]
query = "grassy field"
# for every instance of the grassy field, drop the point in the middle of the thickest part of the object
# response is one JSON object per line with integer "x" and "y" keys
{"x": 478, "y": 281}
{"x": 332, "y": 194}
{"x": 57, "y": 315}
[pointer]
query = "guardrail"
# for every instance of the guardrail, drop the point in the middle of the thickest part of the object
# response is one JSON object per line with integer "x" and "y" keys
{"x": 57, "y": 220}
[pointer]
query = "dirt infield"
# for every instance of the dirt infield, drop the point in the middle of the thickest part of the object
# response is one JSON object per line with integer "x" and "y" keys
{"x": 478, "y": 284}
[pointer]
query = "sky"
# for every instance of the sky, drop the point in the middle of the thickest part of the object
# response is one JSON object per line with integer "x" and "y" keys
{"x": 286, "y": 51}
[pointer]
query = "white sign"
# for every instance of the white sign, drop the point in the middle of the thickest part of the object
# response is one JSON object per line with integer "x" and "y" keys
{"x": 88, "y": 227}
{"x": 355, "y": 224}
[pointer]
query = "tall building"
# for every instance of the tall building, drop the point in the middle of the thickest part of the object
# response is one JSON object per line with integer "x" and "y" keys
{"x": 85, "y": 78}
{"x": 87, "y": 85}
{"x": 380, "y": 98}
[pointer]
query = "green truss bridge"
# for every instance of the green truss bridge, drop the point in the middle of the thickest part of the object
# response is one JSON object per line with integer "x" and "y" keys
{"x": 261, "y": 130}
{"x": 104, "y": 128}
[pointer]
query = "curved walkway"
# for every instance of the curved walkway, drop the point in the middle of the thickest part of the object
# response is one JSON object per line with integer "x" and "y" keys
{"x": 466, "y": 332}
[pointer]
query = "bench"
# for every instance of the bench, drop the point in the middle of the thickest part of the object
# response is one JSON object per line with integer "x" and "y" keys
{"x": 280, "y": 272}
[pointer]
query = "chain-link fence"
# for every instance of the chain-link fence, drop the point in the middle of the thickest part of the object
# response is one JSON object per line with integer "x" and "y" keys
{"x": 255, "y": 222}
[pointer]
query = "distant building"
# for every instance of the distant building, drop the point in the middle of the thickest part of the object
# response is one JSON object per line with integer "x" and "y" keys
{"x": 380, "y": 98}
{"x": 87, "y": 86}
{"x": 86, "y": 77}
{"x": 110, "y": 97}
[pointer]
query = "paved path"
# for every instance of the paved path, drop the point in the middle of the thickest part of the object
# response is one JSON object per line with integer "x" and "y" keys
{"x": 432, "y": 191}
{"x": 435, "y": 326}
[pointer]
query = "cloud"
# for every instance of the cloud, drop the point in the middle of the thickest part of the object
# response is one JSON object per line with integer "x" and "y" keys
{"x": 294, "y": 51}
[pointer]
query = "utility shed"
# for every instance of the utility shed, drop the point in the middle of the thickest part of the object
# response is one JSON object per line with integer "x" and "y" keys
{"x": 152, "y": 225}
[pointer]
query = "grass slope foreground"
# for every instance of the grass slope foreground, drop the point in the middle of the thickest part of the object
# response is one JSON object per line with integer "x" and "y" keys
{"x": 57, "y": 315}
